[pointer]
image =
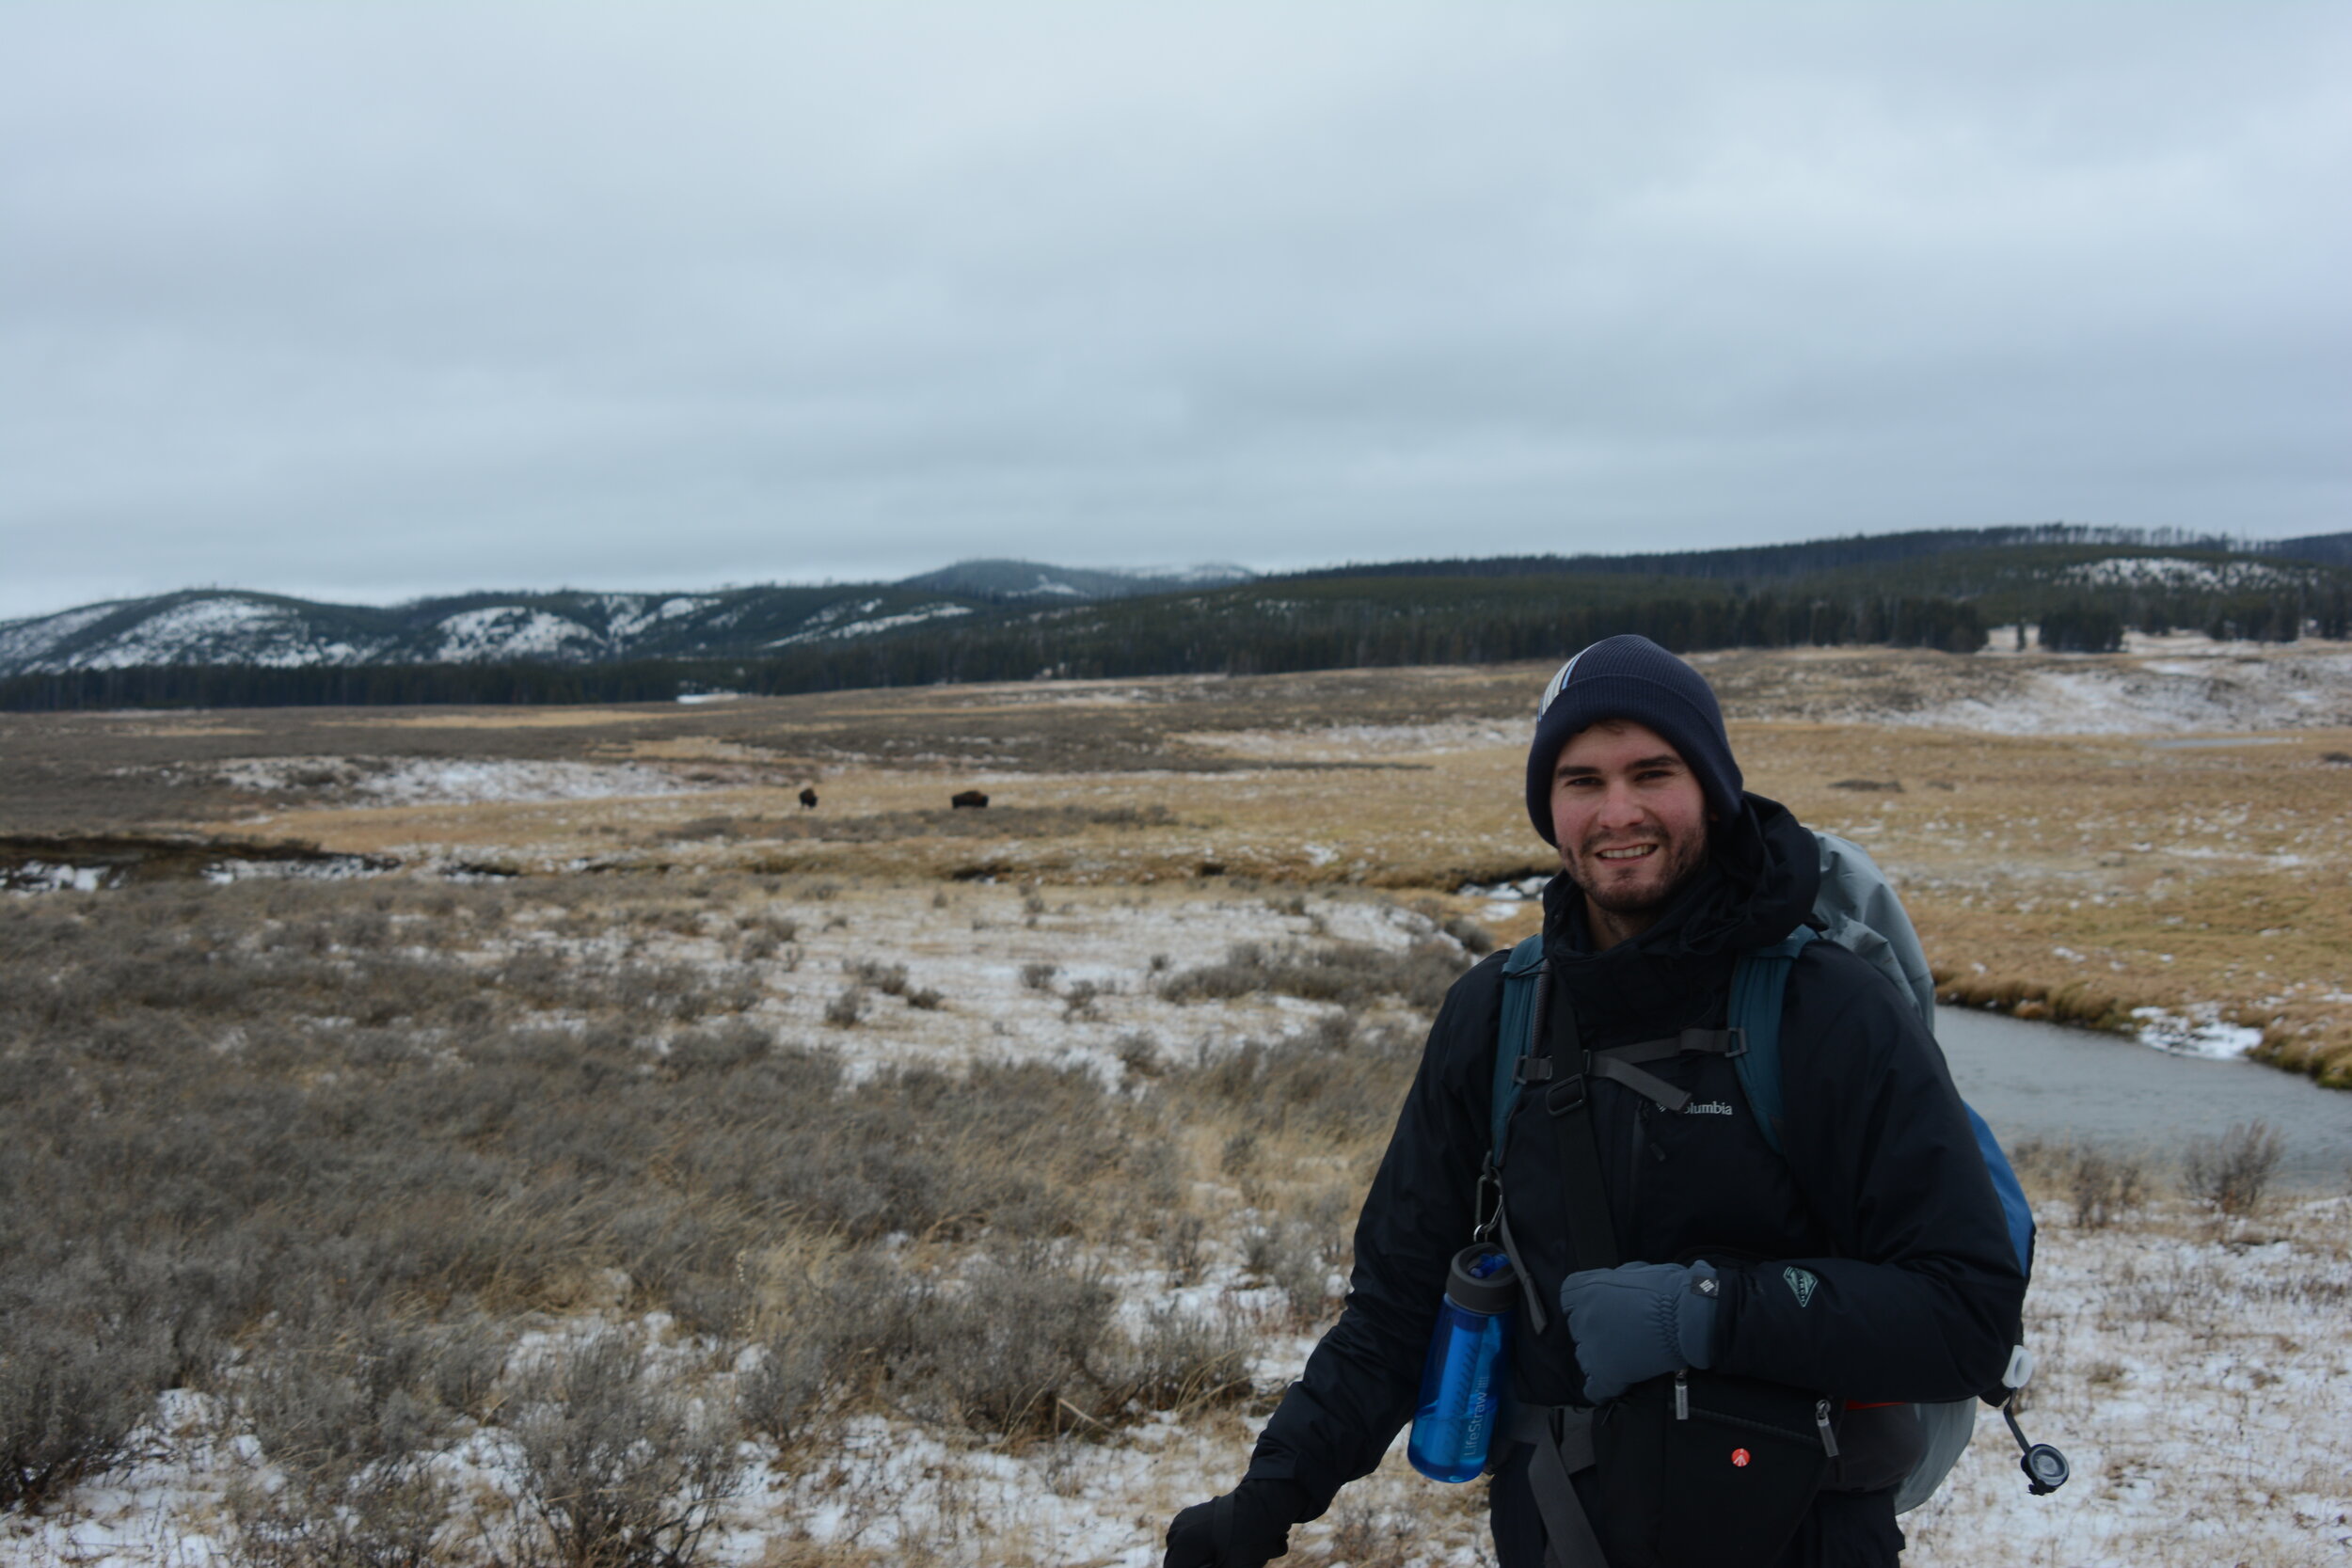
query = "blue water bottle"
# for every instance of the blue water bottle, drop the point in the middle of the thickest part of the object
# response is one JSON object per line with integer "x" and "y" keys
{"x": 1468, "y": 1370}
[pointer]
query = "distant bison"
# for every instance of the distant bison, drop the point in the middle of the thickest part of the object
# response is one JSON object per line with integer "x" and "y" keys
{"x": 809, "y": 796}
{"x": 969, "y": 798}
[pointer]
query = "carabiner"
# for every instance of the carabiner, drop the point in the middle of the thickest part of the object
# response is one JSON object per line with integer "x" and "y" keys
{"x": 1489, "y": 1183}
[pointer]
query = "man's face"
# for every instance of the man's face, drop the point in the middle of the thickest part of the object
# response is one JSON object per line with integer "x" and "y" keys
{"x": 1629, "y": 815}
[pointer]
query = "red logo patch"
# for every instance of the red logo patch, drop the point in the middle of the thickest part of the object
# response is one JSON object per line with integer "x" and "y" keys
{"x": 1740, "y": 1458}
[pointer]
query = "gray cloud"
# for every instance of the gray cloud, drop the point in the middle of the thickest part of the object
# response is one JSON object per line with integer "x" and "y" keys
{"x": 372, "y": 301}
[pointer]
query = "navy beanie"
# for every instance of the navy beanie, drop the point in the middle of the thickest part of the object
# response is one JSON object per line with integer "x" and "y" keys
{"x": 1632, "y": 677}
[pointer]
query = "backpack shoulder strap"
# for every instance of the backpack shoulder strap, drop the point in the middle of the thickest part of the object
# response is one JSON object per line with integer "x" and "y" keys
{"x": 1759, "y": 984}
{"x": 1522, "y": 983}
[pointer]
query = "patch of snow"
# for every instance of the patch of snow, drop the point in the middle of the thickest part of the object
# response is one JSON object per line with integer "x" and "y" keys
{"x": 22, "y": 642}
{"x": 513, "y": 631}
{"x": 2196, "y": 1031}
{"x": 627, "y": 615}
{"x": 2281, "y": 691}
{"x": 877, "y": 624}
{"x": 1526, "y": 888}
{"x": 47, "y": 877}
{"x": 222, "y": 628}
{"x": 424, "y": 781}
{"x": 2132, "y": 571}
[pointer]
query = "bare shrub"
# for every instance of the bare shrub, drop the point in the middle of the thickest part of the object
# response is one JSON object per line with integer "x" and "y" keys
{"x": 1039, "y": 977}
{"x": 618, "y": 1469}
{"x": 1352, "y": 974}
{"x": 1181, "y": 1252}
{"x": 720, "y": 1049}
{"x": 795, "y": 1385}
{"x": 1288, "y": 1257}
{"x": 1140, "y": 1053}
{"x": 889, "y": 979}
{"x": 847, "y": 1006}
{"x": 925, "y": 998}
{"x": 782, "y": 928}
{"x": 1078, "y": 1001}
{"x": 348, "y": 1415}
{"x": 2104, "y": 1186}
{"x": 1179, "y": 1360}
{"x": 1307, "y": 1083}
{"x": 1366, "y": 1537}
{"x": 80, "y": 1367}
{"x": 1006, "y": 1351}
{"x": 2234, "y": 1171}
{"x": 1475, "y": 939}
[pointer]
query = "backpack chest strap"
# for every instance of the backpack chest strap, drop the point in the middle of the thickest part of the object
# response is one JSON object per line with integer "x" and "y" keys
{"x": 1616, "y": 1063}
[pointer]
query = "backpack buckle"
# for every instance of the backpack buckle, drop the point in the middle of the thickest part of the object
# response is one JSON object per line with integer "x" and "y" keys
{"x": 1532, "y": 1069}
{"x": 1565, "y": 1095}
{"x": 1739, "y": 1046}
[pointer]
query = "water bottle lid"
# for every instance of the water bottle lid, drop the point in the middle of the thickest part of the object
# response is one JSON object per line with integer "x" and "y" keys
{"x": 1482, "y": 1280}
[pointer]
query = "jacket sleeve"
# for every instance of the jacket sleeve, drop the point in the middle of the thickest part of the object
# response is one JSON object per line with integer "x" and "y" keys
{"x": 1359, "y": 1388}
{"x": 1923, "y": 1296}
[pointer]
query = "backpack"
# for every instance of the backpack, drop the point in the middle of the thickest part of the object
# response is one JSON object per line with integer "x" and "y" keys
{"x": 1858, "y": 910}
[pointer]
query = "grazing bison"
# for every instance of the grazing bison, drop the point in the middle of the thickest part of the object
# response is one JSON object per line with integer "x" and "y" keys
{"x": 809, "y": 796}
{"x": 967, "y": 798}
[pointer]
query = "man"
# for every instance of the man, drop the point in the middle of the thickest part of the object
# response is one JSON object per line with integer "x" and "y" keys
{"x": 1866, "y": 1260}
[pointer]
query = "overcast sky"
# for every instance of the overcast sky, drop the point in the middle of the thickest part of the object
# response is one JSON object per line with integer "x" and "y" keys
{"x": 369, "y": 302}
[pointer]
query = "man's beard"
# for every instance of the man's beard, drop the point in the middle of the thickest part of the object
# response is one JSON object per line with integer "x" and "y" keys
{"x": 1683, "y": 858}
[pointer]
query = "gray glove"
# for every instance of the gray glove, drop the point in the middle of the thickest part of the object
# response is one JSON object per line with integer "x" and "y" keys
{"x": 1640, "y": 1321}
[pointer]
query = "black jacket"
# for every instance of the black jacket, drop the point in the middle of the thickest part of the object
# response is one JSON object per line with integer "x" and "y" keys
{"x": 1881, "y": 1194}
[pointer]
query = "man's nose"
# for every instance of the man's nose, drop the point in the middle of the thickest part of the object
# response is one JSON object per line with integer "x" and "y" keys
{"x": 1618, "y": 804}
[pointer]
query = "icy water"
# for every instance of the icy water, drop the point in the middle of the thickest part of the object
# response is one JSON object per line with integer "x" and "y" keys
{"x": 2039, "y": 1079}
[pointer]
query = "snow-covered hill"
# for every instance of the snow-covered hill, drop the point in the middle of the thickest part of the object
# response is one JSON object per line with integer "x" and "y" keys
{"x": 232, "y": 627}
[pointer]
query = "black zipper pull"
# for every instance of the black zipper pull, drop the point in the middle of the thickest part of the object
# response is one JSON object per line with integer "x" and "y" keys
{"x": 1821, "y": 1418}
{"x": 1682, "y": 1396}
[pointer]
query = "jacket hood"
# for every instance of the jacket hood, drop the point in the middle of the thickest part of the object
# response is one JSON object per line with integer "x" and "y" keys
{"x": 1757, "y": 885}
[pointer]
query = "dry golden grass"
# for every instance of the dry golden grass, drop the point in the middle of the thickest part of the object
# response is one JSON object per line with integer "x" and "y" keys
{"x": 2077, "y": 878}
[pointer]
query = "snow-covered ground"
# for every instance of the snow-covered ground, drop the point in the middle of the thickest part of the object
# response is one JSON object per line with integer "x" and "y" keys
{"x": 2181, "y": 693}
{"x": 1006, "y": 973}
{"x": 2194, "y": 1370}
{"x": 2195, "y": 1375}
{"x": 435, "y": 780}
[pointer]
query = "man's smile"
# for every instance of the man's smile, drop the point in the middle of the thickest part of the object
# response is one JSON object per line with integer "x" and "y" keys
{"x": 1629, "y": 853}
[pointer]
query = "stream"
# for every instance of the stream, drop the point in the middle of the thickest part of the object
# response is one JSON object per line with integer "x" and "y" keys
{"x": 2043, "y": 1081}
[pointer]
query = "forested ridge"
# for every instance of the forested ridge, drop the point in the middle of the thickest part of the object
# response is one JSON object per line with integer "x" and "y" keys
{"x": 2082, "y": 589}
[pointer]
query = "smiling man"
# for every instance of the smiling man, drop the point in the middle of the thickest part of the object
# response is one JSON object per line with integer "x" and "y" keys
{"x": 1680, "y": 1263}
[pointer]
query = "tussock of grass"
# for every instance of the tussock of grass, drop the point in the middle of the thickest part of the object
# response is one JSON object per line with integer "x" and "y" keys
{"x": 1351, "y": 974}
